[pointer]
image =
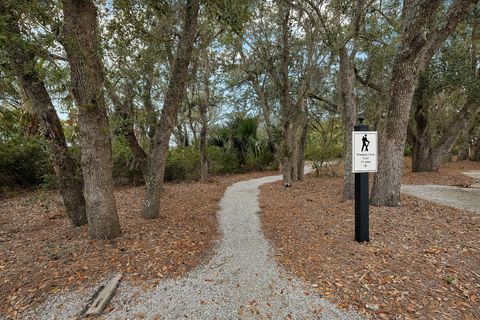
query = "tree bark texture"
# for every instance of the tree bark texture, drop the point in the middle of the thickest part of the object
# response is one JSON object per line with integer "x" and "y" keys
{"x": 348, "y": 111}
{"x": 302, "y": 144}
{"x": 80, "y": 39}
{"x": 414, "y": 51}
{"x": 173, "y": 100}
{"x": 67, "y": 171}
{"x": 286, "y": 106}
{"x": 204, "y": 122}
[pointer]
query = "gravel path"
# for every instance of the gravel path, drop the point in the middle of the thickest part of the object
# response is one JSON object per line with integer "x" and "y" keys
{"x": 242, "y": 280}
{"x": 462, "y": 198}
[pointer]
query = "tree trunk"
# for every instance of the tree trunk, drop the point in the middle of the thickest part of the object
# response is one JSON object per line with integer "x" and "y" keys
{"x": 296, "y": 149}
{"x": 386, "y": 186}
{"x": 173, "y": 100}
{"x": 421, "y": 136}
{"x": 204, "y": 122}
{"x": 288, "y": 136}
{"x": 302, "y": 144}
{"x": 426, "y": 155}
{"x": 463, "y": 152}
{"x": 348, "y": 111}
{"x": 287, "y": 112}
{"x": 266, "y": 112}
{"x": 22, "y": 61}
{"x": 124, "y": 110}
{"x": 80, "y": 39}
{"x": 147, "y": 100}
{"x": 413, "y": 53}
{"x": 475, "y": 152}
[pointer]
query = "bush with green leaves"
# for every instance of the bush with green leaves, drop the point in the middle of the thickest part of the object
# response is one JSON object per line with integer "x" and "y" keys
{"x": 183, "y": 163}
{"x": 236, "y": 147}
{"x": 125, "y": 169}
{"x": 24, "y": 159}
{"x": 326, "y": 144}
{"x": 23, "y": 163}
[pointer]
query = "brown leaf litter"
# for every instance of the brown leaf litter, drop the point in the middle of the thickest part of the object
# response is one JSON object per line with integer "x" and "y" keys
{"x": 40, "y": 254}
{"x": 423, "y": 260}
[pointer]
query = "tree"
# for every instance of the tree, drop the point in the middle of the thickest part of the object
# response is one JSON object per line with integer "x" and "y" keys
{"x": 287, "y": 109}
{"x": 173, "y": 99}
{"x": 293, "y": 112}
{"x": 446, "y": 99}
{"x": 204, "y": 119}
{"x": 21, "y": 57}
{"x": 341, "y": 39}
{"x": 81, "y": 42}
{"x": 419, "y": 40}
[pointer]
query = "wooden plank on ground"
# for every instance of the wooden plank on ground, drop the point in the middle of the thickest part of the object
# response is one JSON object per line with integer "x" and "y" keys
{"x": 104, "y": 296}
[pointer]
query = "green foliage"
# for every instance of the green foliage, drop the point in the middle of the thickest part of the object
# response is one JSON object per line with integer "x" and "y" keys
{"x": 325, "y": 141}
{"x": 24, "y": 160}
{"x": 455, "y": 150}
{"x": 243, "y": 136}
{"x": 260, "y": 156}
{"x": 125, "y": 169}
{"x": 230, "y": 14}
{"x": 183, "y": 163}
{"x": 222, "y": 159}
{"x": 23, "y": 163}
{"x": 236, "y": 146}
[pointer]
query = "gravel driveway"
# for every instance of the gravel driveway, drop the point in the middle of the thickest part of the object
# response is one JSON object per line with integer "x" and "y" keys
{"x": 462, "y": 198}
{"x": 242, "y": 280}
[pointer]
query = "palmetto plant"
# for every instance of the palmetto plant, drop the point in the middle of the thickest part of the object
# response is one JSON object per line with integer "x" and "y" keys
{"x": 239, "y": 134}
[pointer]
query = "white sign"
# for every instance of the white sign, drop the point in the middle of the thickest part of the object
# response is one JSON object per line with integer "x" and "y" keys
{"x": 364, "y": 151}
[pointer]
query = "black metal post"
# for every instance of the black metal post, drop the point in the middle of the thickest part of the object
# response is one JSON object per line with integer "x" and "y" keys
{"x": 361, "y": 197}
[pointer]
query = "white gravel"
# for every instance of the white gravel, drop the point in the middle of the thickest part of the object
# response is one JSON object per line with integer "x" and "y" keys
{"x": 462, "y": 198}
{"x": 242, "y": 280}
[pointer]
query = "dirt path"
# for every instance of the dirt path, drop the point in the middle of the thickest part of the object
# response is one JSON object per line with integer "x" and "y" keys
{"x": 462, "y": 198}
{"x": 242, "y": 280}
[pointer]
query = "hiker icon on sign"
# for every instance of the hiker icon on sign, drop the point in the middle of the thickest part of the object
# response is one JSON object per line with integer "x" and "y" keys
{"x": 365, "y": 143}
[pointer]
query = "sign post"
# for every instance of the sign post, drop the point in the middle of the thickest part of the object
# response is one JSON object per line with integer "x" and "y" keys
{"x": 364, "y": 160}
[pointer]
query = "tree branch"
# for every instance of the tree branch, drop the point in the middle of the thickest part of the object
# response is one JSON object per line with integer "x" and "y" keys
{"x": 330, "y": 105}
{"x": 368, "y": 83}
{"x": 456, "y": 12}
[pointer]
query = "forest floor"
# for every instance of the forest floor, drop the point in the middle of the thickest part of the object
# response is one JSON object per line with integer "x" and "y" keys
{"x": 421, "y": 262}
{"x": 40, "y": 254}
{"x": 240, "y": 281}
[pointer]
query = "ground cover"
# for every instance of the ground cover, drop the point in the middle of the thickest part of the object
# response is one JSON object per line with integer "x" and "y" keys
{"x": 40, "y": 254}
{"x": 450, "y": 174}
{"x": 422, "y": 260}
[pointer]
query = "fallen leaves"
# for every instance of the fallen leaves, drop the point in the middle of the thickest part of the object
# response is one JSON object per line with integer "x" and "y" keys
{"x": 42, "y": 255}
{"x": 448, "y": 175}
{"x": 422, "y": 261}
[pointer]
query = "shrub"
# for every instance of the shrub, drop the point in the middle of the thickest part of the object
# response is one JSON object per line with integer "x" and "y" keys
{"x": 321, "y": 148}
{"x": 235, "y": 147}
{"x": 456, "y": 150}
{"x": 259, "y": 157}
{"x": 222, "y": 160}
{"x": 24, "y": 162}
{"x": 125, "y": 170}
{"x": 183, "y": 163}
